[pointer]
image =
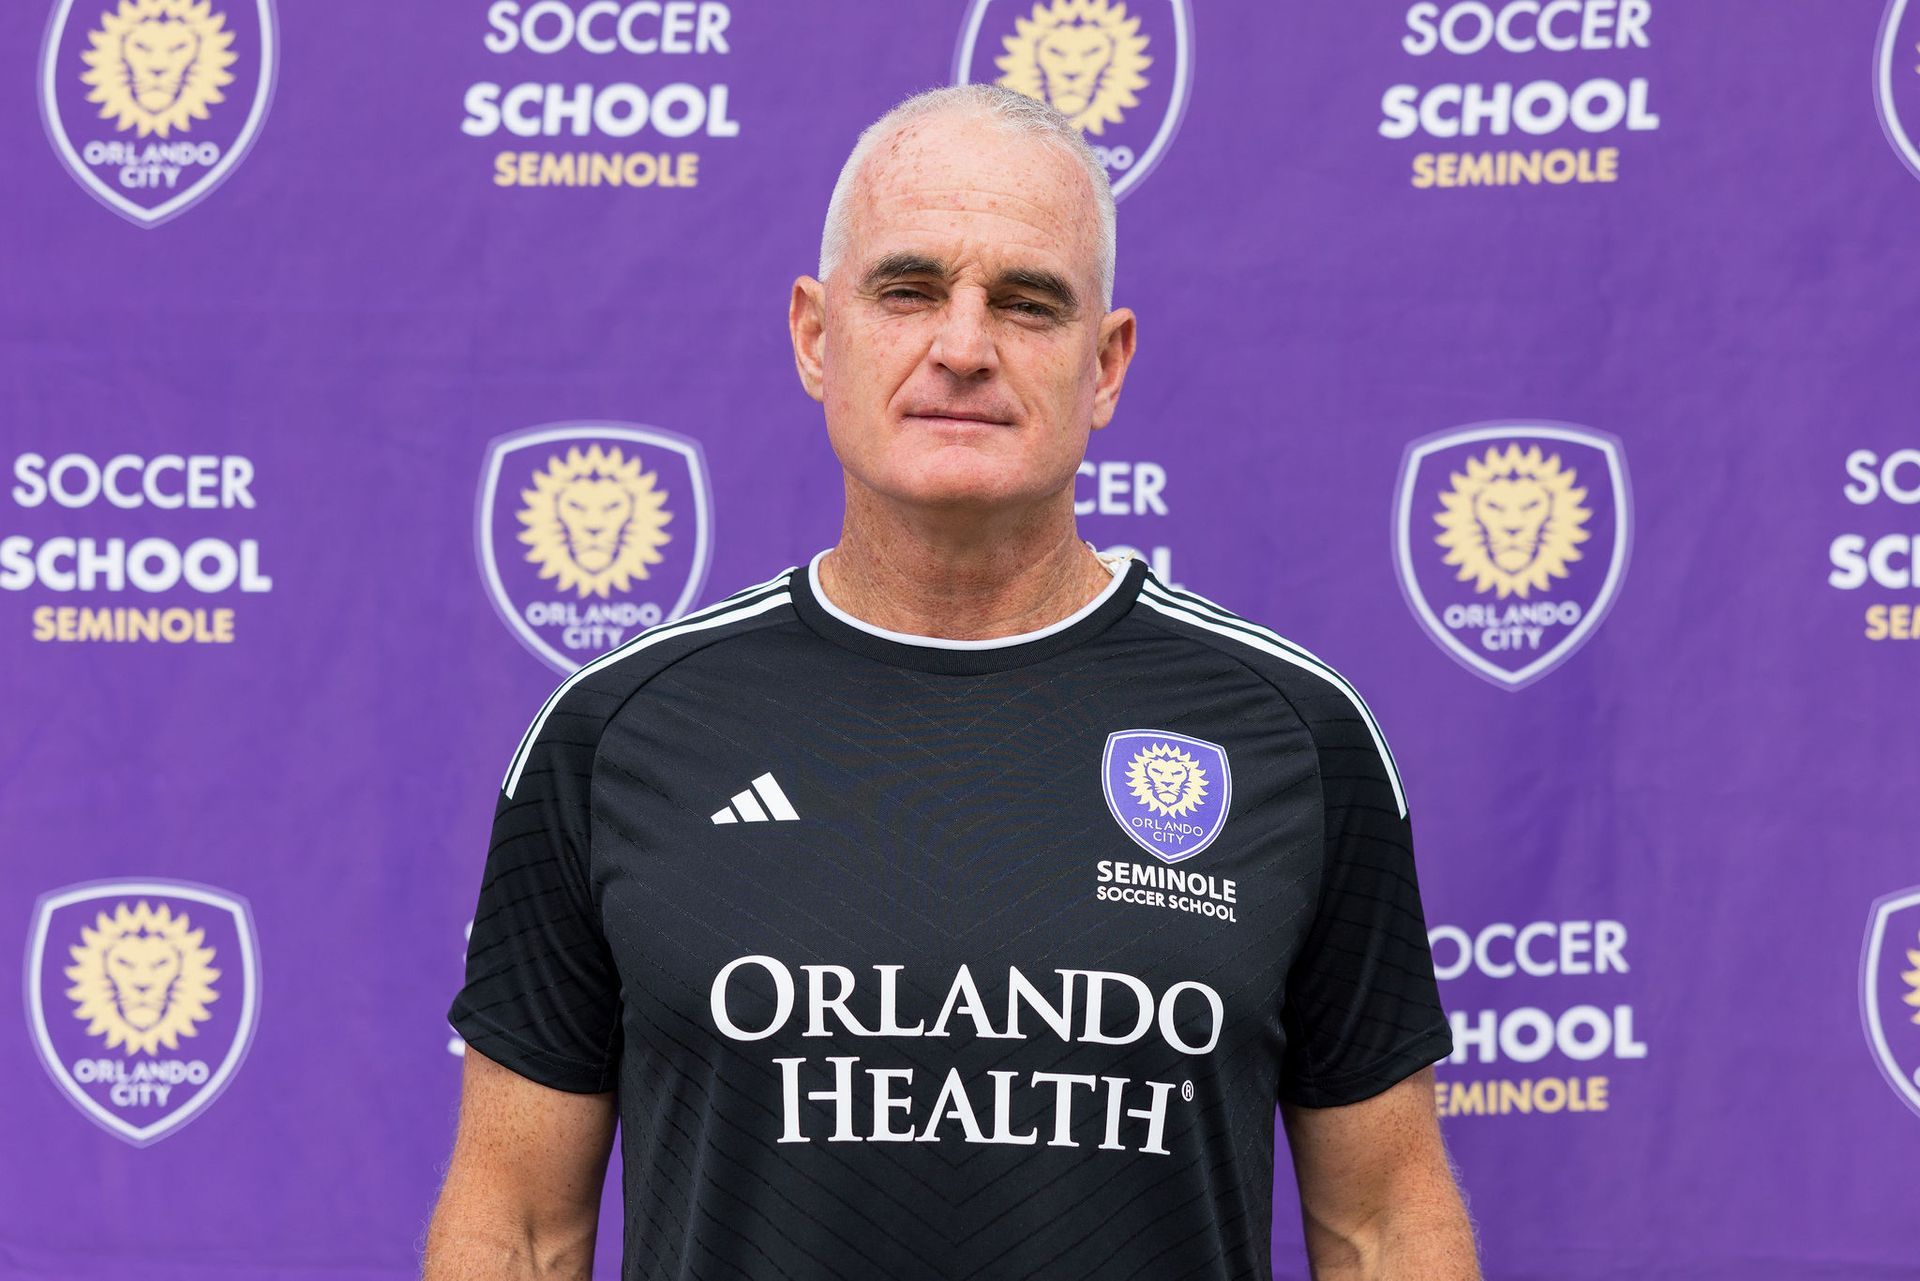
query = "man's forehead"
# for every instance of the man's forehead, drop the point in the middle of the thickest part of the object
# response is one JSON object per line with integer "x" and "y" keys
{"x": 965, "y": 187}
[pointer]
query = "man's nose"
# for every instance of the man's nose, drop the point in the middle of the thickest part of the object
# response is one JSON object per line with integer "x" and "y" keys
{"x": 964, "y": 345}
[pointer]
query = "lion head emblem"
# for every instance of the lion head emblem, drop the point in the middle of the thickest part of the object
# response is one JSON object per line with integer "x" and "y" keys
{"x": 157, "y": 65}
{"x": 1513, "y": 521}
{"x": 1085, "y": 57}
{"x": 1167, "y": 780}
{"x": 594, "y": 521}
{"x": 141, "y": 978}
{"x": 1912, "y": 995}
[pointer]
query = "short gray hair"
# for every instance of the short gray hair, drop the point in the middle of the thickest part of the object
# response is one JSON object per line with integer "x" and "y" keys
{"x": 1018, "y": 114}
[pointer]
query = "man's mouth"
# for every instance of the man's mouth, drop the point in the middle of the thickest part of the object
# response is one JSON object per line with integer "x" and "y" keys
{"x": 957, "y": 417}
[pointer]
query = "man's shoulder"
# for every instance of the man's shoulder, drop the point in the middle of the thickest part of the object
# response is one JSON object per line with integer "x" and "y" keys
{"x": 1295, "y": 670}
{"x": 1323, "y": 697}
{"x": 577, "y": 711}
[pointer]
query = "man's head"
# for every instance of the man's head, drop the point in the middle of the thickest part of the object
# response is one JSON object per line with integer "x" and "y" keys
{"x": 959, "y": 335}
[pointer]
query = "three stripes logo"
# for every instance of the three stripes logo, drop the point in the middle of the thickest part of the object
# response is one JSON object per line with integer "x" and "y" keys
{"x": 762, "y": 802}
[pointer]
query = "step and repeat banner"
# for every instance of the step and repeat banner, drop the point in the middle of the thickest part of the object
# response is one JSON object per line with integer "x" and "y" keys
{"x": 1547, "y": 365}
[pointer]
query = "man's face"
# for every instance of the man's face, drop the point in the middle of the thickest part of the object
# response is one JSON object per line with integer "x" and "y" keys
{"x": 961, "y": 348}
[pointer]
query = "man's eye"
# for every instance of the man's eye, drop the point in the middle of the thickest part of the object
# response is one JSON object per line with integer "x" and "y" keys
{"x": 1030, "y": 308}
{"x": 908, "y": 294}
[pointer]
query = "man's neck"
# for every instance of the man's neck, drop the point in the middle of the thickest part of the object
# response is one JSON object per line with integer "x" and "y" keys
{"x": 958, "y": 579}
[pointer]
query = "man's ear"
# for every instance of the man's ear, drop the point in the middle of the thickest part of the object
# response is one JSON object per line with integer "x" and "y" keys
{"x": 807, "y": 324}
{"x": 1114, "y": 353}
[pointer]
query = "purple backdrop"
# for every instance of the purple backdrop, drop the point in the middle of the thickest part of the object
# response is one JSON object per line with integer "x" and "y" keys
{"x": 1555, "y": 385}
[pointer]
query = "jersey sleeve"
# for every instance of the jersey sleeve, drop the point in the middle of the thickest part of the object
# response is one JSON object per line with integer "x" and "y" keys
{"x": 542, "y": 993}
{"x": 1362, "y": 1008}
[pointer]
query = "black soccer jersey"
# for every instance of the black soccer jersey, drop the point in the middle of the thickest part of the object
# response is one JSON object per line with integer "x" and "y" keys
{"x": 925, "y": 958}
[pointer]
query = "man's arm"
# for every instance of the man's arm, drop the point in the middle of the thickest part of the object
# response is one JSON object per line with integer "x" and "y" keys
{"x": 522, "y": 1194}
{"x": 1377, "y": 1194}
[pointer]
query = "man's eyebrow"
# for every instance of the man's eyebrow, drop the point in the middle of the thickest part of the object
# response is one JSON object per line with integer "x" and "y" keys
{"x": 900, "y": 265}
{"x": 1040, "y": 282}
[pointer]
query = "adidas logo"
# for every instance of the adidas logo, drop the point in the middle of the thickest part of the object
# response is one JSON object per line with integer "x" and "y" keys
{"x": 747, "y": 809}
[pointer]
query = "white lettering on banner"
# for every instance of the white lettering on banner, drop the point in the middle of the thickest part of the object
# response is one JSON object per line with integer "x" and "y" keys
{"x": 1112, "y": 487}
{"x": 1514, "y": 626}
{"x": 1872, "y": 477}
{"x": 619, "y": 110}
{"x": 142, "y": 1083}
{"x": 1528, "y": 1034}
{"x": 594, "y": 626}
{"x": 1532, "y": 952}
{"x": 1121, "y": 489}
{"x": 144, "y": 167}
{"x": 1541, "y": 949}
{"x": 614, "y": 111}
{"x": 1889, "y": 560}
{"x": 644, "y": 27}
{"x": 169, "y": 489}
{"x": 208, "y": 565}
{"x": 130, "y": 481}
{"x": 1112, "y": 1009}
{"x": 1538, "y": 108}
{"x": 1521, "y": 26}
{"x": 1528, "y": 108}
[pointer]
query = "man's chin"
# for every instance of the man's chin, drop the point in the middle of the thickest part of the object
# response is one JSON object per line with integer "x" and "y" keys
{"x": 959, "y": 500}
{"x": 982, "y": 472}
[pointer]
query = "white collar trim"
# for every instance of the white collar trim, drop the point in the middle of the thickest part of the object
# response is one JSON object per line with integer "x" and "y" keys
{"x": 1114, "y": 565}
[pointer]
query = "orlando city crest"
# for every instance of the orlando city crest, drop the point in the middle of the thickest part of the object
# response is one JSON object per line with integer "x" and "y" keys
{"x": 1121, "y": 70}
{"x": 590, "y": 532}
{"x": 1167, "y": 791}
{"x": 142, "y": 998}
{"x": 1511, "y": 540}
{"x": 151, "y": 103}
{"x": 1890, "y": 991}
{"x": 1896, "y": 80}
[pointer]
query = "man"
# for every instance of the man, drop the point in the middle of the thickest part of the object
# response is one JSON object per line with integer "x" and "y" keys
{"x": 960, "y": 905}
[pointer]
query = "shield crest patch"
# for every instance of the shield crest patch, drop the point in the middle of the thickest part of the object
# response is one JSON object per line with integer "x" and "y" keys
{"x": 142, "y": 998}
{"x": 1511, "y": 541}
{"x": 1168, "y": 792}
{"x": 589, "y": 532}
{"x": 1890, "y": 991}
{"x": 151, "y": 104}
{"x": 1896, "y": 80}
{"x": 1121, "y": 70}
